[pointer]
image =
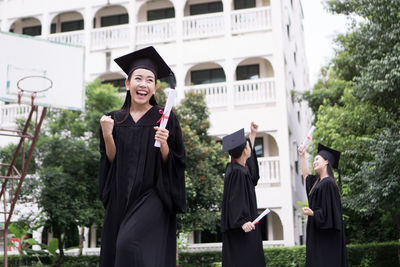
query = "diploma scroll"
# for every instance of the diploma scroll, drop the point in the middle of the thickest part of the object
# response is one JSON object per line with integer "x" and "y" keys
{"x": 167, "y": 111}
{"x": 308, "y": 138}
{"x": 258, "y": 219}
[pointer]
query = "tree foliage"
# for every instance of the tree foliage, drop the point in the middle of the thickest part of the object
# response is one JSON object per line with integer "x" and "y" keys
{"x": 205, "y": 166}
{"x": 356, "y": 107}
{"x": 67, "y": 154}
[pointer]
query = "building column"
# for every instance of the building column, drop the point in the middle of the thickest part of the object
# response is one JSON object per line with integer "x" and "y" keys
{"x": 180, "y": 68}
{"x": 132, "y": 14}
{"x": 3, "y": 24}
{"x": 86, "y": 238}
{"x": 93, "y": 236}
{"x": 37, "y": 235}
{"x": 88, "y": 28}
{"x": 45, "y": 25}
{"x": 229, "y": 62}
{"x": 270, "y": 227}
{"x": 49, "y": 237}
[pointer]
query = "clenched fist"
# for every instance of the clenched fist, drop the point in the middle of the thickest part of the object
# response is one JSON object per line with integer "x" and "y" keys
{"x": 107, "y": 125}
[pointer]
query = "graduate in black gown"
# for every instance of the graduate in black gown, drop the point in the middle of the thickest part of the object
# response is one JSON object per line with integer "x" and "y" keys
{"x": 241, "y": 240}
{"x": 325, "y": 245}
{"x": 141, "y": 186}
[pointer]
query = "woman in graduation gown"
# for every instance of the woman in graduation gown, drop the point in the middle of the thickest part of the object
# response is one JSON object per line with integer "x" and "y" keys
{"x": 325, "y": 244}
{"x": 241, "y": 240}
{"x": 141, "y": 186}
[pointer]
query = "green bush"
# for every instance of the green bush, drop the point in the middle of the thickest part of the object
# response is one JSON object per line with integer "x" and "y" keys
{"x": 359, "y": 255}
{"x": 286, "y": 256}
{"x": 69, "y": 261}
{"x": 374, "y": 254}
{"x": 197, "y": 259}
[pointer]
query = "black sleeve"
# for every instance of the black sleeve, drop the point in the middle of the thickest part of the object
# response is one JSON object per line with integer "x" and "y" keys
{"x": 171, "y": 184}
{"x": 310, "y": 180}
{"x": 327, "y": 209}
{"x": 252, "y": 164}
{"x": 236, "y": 202}
{"x": 105, "y": 171}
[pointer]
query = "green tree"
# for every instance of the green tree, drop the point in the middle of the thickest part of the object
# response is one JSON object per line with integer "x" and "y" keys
{"x": 356, "y": 111}
{"x": 205, "y": 166}
{"x": 68, "y": 157}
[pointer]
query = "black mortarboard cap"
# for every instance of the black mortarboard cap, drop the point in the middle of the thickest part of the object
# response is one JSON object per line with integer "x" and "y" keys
{"x": 329, "y": 154}
{"x": 146, "y": 58}
{"x": 233, "y": 140}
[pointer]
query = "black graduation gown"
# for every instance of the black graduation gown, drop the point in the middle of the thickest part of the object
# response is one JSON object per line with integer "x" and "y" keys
{"x": 325, "y": 230}
{"x": 141, "y": 195}
{"x": 238, "y": 207}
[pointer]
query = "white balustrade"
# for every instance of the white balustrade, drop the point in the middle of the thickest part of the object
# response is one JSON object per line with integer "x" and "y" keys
{"x": 254, "y": 91}
{"x": 251, "y": 19}
{"x": 74, "y": 37}
{"x": 110, "y": 37}
{"x": 201, "y": 26}
{"x": 215, "y": 93}
{"x": 9, "y": 113}
{"x": 158, "y": 31}
{"x": 269, "y": 168}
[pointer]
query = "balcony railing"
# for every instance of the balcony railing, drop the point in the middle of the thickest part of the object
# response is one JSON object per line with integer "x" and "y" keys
{"x": 74, "y": 37}
{"x": 9, "y": 113}
{"x": 159, "y": 31}
{"x": 202, "y": 26}
{"x": 255, "y": 91}
{"x": 215, "y": 93}
{"x": 261, "y": 91}
{"x": 110, "y": 37}
{"x": 269, "y": 168}
{"x": 198, "y": 26}
{"x": 252, "y": 19}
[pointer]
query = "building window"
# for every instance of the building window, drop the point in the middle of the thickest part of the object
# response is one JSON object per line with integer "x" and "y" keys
{"x": 248, "y": 72}
{"x": 259, "y": 146}
{"x": 241, "y": 4}
{"x": 288, "y": 30}
{"x": 53, "y": 28}
{"x": 208, "y": 76}
{"x": 164, "y": 13}
{"x": 33, "y": 30}
{"x": 295, "y": 57}
{"x": 211, "y": 7}
{"x": 118, "y": 83}
{"x": 114, "y": 20}
{"x": 74, "y": 25}
{"x": 206, "y": 236}
{"x": 298, "y": 116}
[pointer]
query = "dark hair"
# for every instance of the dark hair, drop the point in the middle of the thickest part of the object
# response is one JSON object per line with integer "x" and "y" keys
{"x": 128, "y": 100}
{"x": 329, "y": 170}
{"x": 237, "y": 151}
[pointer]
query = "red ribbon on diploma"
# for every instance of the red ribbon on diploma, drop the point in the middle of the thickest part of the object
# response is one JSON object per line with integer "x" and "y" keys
{"x": 163, "y": 117}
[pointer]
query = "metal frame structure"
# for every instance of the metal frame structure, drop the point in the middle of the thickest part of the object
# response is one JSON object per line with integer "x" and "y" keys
{"x": 13, "y": 178}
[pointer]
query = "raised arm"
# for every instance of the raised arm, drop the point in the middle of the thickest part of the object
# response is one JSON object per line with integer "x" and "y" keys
{"x": 253, "y": 133}
{"x": 303, "y": 163}
{"x": 107, "y": 125}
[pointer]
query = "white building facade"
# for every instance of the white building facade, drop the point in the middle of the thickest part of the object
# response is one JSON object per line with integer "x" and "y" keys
{"x": 248, "y": 56}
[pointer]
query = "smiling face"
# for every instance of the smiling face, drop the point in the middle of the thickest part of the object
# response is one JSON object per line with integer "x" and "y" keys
{"x": 142, "y": 85}
{"x": 319, "y": 164}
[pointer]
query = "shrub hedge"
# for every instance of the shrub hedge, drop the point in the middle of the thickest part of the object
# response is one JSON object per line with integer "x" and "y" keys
{"x": 361, "y": 255}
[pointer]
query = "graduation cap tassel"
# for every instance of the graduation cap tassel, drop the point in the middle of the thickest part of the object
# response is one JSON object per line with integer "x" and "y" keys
{"x": 171, "y": 80}
{"x": 340, "y": 180}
